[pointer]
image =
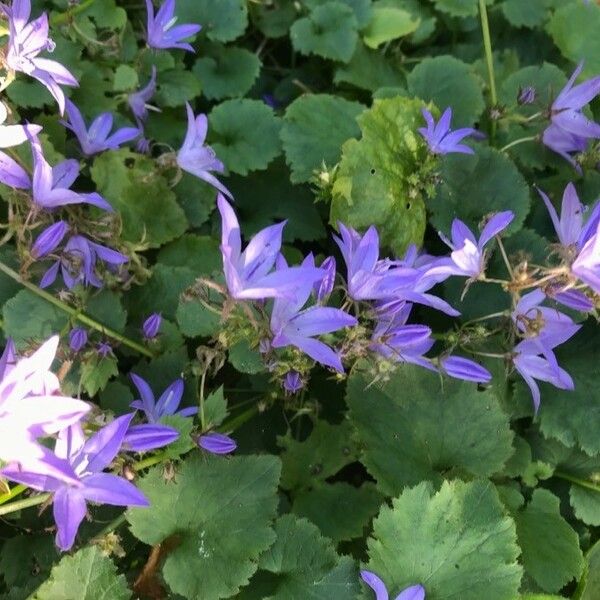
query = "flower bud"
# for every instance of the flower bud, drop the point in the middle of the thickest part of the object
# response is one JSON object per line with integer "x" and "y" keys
{"x": 216, "y": 443}
{"x": 463, "y": 368}
{"x": 78, "y": 338}
{"x": 149, "y": 436}
{"x": 324, "y": 287}
{"x": 526, "y": 95}
{"x": 49, "y": 239}
{"x": 151, "y": 326}
{"x": 292, "y": 382}
{"x": 103, "y": 349}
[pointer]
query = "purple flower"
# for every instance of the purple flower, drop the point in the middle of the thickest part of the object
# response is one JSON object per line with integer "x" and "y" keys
{"x": 78, "y": 338}
{"x": 167, "y": 404}
{"x": 78, "y": 263}
{"x": 49, "y": 239}
{"x": 464, "y": 368}
{"x": 26, "y": 41}
{"x": 414, "y": 592}
{"x": 196, "y": 158}
{"x": 12, "y": 173}
{"x": 587, "y": 264}
{"x": 51, "y": 184}
{"x": 143, "y": 146}
{"x": 97, "y": 138}
{"x": 248, "y": 274}
{"x": 162, "y": 34}
{"x": 468, "y": 255}
{"x": 151, "y": 326}
{"x": 440, "y": 139}
{"x": 570, "y": 128}
{"x": 88, "y": 459}
{"x": 31, "y": 407}
{"x": 216, "y": 443}
{"x": 138, "y": 101}
{"x": 103, "y": 349}
{"x": 13, "y": 135}
{"x": 292, "y": 382}
{"x": 292, "y": 326}
{"x": 572, "y": 298}
{"x": 526, "y": 95}
{"x": 149, "y": 436}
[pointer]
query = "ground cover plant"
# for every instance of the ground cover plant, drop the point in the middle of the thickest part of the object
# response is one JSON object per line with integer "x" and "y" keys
{"x": 299, "y": 299}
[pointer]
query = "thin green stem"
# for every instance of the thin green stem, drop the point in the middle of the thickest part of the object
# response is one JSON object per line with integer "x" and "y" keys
{"x": 65, "y": 17}
{"x": 114, "y": 524}
{"x": 505, "y": 258}
{"x": 239, "y": 420}
{"x": 24, "y": 503}
{"x": 530, "y": 138}
{"x": 202, "y": 382}
{"x": 75, "y": 313}
{"x": 14, "y": 492}
{"x": 588, "y": 485}
{"x": 489, "y": 58}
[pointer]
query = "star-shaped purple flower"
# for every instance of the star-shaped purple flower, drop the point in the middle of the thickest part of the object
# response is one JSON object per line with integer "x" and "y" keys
{"x": 161, "y": 32}
{"x": 414, "y": 592}
{"x": 440, "y": 138}
{"x": 138, "y": 101}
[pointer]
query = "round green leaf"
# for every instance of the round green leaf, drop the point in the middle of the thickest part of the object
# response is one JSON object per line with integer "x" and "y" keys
{"x": 330, "y": 31}
{"x": 447, "y": 81}
{"x": 176, "y": 87}
{"x": 387, "y": 24}
{"x": 475, "y": 186}
{"x": 314, "y": 128}
{"x": 245, "y": 134}
{"x": 458, "y": 8}
{"x": 221, "y": 21}
{"x": 415, "y": 428}
{"x": 457, "y": 542}
{"x": 525, "y": 14}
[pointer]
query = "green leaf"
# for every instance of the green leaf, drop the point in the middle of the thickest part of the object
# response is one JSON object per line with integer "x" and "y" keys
{"x": 221, "y": 510}
{"x": 573, "y": 28}
{"x": 222, "y": 21}
{"x": 85, "y": 575}
{"x": 374, "y": 183}
{"x": 327, "y": 449}
{"x": 341, "y": 511}
{"x": 199, "y": 253}
{"x": 476, "y": 186}
{"x": 368, "y": 70}
{"x": 447, "y": 81}
{"x": 194, "y": 319}
{"x": 589, "y": 585}
{"x": 246, "y": 359}
{"x": 458, "y": 8}
{"x": 307, "y": 564}
{"x": 8, "y": 287}
{"x": 586, "y": 504}
{"x": 362, "y": 9}
{"x": 245, "y": 134}
{"x": 23, "y": 556}
{"x": 176, "y": 87}
{"x": 183, "y": 443}
{"x": 314, "y": 128}
{"x": 226, "y": 71}
{"x": 330, "y": 31}
{"x": 116, "y": 397}
{"x": 416, "y": 427}
{"x": 196, "y": 197}
{"x": 126, "y": 79}
{"x": 388, "y": 24}
{"x": 525, "y": 14}
{"x": 549, "y": 545}
{"x": 95, "y": 373}
{"x": 215, "y": 408}
{"x": 106, "y": 307}
{"x": 28, "y": 318}
{"x": 147, "y": 204}
{"x": 458, "y": 542}
{"x": 274, "y": 20}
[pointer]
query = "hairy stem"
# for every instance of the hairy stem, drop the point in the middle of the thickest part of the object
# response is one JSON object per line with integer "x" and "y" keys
{"x": 530, "y": 138}
{"x": 24, "y": 503}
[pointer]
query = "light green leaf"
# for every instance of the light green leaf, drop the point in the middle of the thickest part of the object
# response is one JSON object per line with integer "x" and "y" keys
{"x": 413, "y": 428}
{"x": 589, "y": 585}
{"x": 314, "y": 128}
{"x": 307, "y": 564}
{"x": 388, "y": 24}
{"x": 586, "y": 504}
{"x": 573, "y": 27}
{"x": 245, "y": 134}
{"x": 330, "y": 31}
{"x": 126, "y": 79}
{"x": 95, "y": 373}
{"x": 221, "y": 509}
{"x": 183, "y": 443}
{"x": 550, "y": 547}
{"x": 215, "y": 408}
{"x": 458, "y": 542}
{"x": 341, "y": 511}
{"x": 322, "y": 454}
{"x": 226, "y": 71}
{"x": 447, "y": 81}
{"x": 176, "y": 87}
{"x": 28, "y": 318}
{"x": 194, "y": 319}
{"x": 246, "y": 359}
{"x": 85, "y": 575}
{"x": 530, "y": 14}
{"x": 475, "y": 186}
{"x": 199, "y": 253}
{"x": 221, "y": 21}
{"x": 375, "y": 183}
{"x": 105, "y": 306}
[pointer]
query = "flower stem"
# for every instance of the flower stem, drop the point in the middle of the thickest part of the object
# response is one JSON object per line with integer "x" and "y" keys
{"x": 75, "y": 313}
{"x": 530, "y": 138}
{"x": 489, "y": 58}
{"x": 65, "y": 17}
{"x": 24, "y": 503}
{"x": 114, "y": 524}
{"x": 588, "y": 485}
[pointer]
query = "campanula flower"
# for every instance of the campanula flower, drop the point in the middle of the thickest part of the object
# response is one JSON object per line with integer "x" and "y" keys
{"x": 166, "y": 405}
{"x": 587, "y": 264}
{"x": 572, "y": 298}
{"x": 161, "y": 34}
{"x": 468, "y": 255}
{"x": 526, "y": 95}
{"x": 78, "y": 263}
{"x": 323, "y": 288}
{"x": 151, "y": 326}
{"x": 12, "y": 173}
{"x": 50, "y": 186}
{"x": 292, "y": 326}
{"x": 149, "y": 436}
{"x": 97, "y": 138}
{"x": 292, "y": 382}
{"x": 463, "y": 368}
{"x": 564, "y": 143}
{"x": 26, "y": 41}
{"x": 216, "y": 443}
{"x": 78, "y": 338}
{"x": 440, "y": 138}
{"x": 88, "y": 459}
{"x": 414, "y": 592}
{"x": 49, "y": 239}
{"x": 196, "y": 158}
{"x": 138, "y": 101}
{"x": 249, "y": 274}
{"x": 103, "y": 349}
{"x": 32, "y": 407}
